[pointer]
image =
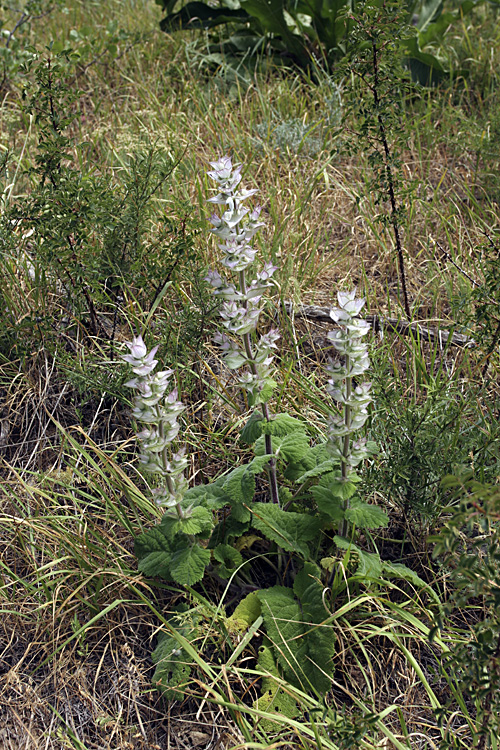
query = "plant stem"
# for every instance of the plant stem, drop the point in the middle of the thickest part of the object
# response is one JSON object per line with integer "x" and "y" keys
{"x": 390, "y": 181}
{"x": 344, "y": 525}
{"x": 170, "y": 483}
{"x": 273, "y": 479}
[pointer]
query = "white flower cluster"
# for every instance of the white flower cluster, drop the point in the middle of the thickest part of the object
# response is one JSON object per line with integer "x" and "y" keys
{"x": 157, "y": 410}
{"x": 347, "y": 340}
{"x": 240, "y": 310}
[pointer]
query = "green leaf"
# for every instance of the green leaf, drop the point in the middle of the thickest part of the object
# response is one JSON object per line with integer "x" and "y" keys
{"x": 398, "y": 570}
{"x": 370, "y": 565}
{"x": 239, "y": 485}
{"x": 270, "y": 15}
{"x": 229, "y": 558}
{"x": 282, "y": 424}
{"x": 153, "y": 551}
{"x": 197, "y": 15}
{"x": 366, "y": 516}
{"x": 289, "y": 530}
{"x": 265, "y": 393}
{"x": 260, "y": 445}
{"x": 316, "y": 649}
{"x": 209, "y": 495}
{"x": 294, "y": 471}
{"x": 274, "y": 699}
{"x": 294, "y": 446}
{"x": 199, "y": 521}
{"x": 323, "y": 468}
{"x": 172, "y": 669}
{"x": 253, "y": 429}
{"x": 327, "y": 503}
{"x": 234, "y": 360}
{"x": 247, "y": 611}
{"x": 229, "y": 528}
{"x": 304, "y": 648}
{"x": 258, "y": 464}
{"x": 188, "y": 563}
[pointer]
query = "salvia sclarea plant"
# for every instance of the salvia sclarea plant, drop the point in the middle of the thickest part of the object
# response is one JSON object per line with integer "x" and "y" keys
{"x": 312, "y": 485}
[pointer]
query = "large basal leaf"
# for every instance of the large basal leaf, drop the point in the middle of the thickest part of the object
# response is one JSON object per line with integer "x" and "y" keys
{"x": 252, "y": 429}
{"x": 229, "y": 558}
{"x": 303, "y": 645}
{"x": 281, "y": 425}
{"x": 398, "y": 570}
{"x": 327, "y": 503}
{"x": 172, "y": 668}
{"x": 239, "y": 485}
{"x": 269, "y": 14}
{"x": 315, "y": 651}
{"x": 188, "y": 563}
{"x": 209, "y": 495}
{"x": 246, "y": 613}
{"x": 369, "y": 563}
{"x": 229, "y": 528}
{"x": 290, "y": 531}
{"x": 366, "y": 516}
{"x": 273, "y": 699}
{"x": 153, "y": 551}
{"x": 197, "y": 15}
{"x": 294, "y": 446}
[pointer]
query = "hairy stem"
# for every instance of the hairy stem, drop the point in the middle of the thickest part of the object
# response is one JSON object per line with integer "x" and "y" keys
{"x": 273, "y": 479}
{"x": 344, "y": 525}
{"x": 170, "y": 482}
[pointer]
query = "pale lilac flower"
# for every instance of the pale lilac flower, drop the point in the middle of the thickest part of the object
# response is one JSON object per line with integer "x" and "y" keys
{"x": 157, "y": 410}
{"x": 240, "y": 312}
{"x": 347, "y": 340}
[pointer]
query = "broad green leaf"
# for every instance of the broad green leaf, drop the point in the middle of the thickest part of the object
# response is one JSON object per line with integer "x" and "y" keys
{"x": 273, "y": 698}
{"x": 188, "y": 563}
{"x": 247, "y": 611}
{"x": 344, "y": 489}
{"x": 294, "y": 471}
{"x": 328, "y": 503}
{"x": 260, "y": 445}
{"x": 253, "y": 429}
{"x": 290, "y": 531}
{"x": 229, "y": 559}
{"x": 172, "y": 668}
{"x": 369, "y": 565}
{"x": 294, "y": 446}
{"x": 366, "y": 516}
{"x": 323, "y": 468}
{"x": 229, "y": 528}
{"x": 316, "y": 649}
{"x": 303, "y": 647}
{"x": 209, "y": 495}
{"x": 269, "y": 13}
{"x": 239, "y": 485}
{"x": 153, "y": 551}
{"x": 199, "y": 521}
{"x": 398, "y": 570}
{"x": 282, "y": 424}
{"x": 258, "y": 464}
{"x": 198, "y": 15}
